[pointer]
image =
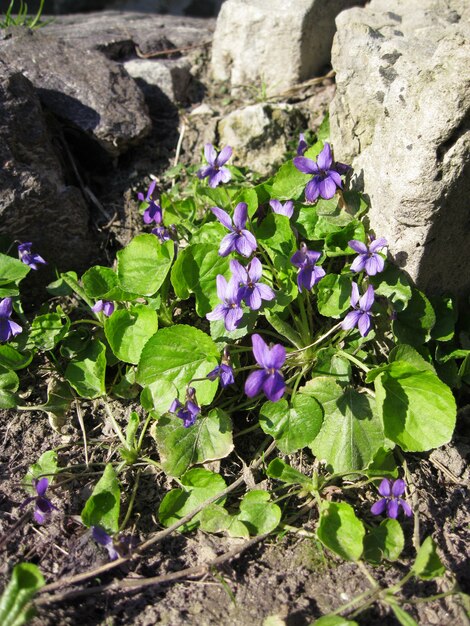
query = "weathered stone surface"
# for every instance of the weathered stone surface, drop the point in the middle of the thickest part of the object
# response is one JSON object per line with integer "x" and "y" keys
{"x": 172, "y": 76}
{"x": 258, "y": 134}
{"x": 81, "y": 87}
{"x": 277, "y": 43}
{"x": 35, "y": 202}
{"x": 401, "y": 116}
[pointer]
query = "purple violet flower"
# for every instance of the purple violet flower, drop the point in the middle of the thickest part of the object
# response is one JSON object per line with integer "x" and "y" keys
{"x": 286, "y": 209}
{"x": 361, "y": 316}
{"x": 188, "y": 411}
{"x": 28, "y": 257}
{"x": 309, "y": 274}
{"x": 326, "y": 174}
{"x": 269, "y": 379}
{"x": 105, "y": 540}
{"x": 302, "y": 145}
{"x": 239, "y": 239}
{"x": 230, "y": 310}
{"x": 391, "y": 501}
{"x": 368, "y": 258}
{"x": 214, "y": 170}
{"x": 250, "y": 290}
{"x": 8, "y": 328}
{"x": 44, "y": 506}
{"x": 103, "y": 305}
{"x": 223, "y": 371}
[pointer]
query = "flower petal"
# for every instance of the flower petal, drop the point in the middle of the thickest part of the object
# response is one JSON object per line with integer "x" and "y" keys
{"x": 240, "y": 215}
{"x": 15, "y": 329}
{"x": 364, "y": 324}
{"x": 205, "y": 171}
{"x": 307, "y": 166}
{"x": 253, "y": 298}
{"x": 215, "y": 178}
{"x": 227, "y": 245}
{"x": 327, "y": 188}
{"x": 222, "y": 284}
{"x": 406, "y": 507}
{"x": 223, "y": 217}
{"x": 378, "y": 244}
{"x": 324, "y": 159}
{"x": 367, "y": 299}
{"x": 254, "y": 383}
{"x": 385, "y": 488}
{"x": 255, "y": 270}
{"x": 265, "y": 292}
{"x": 276, "y": 357}
{"x": 225, "y": 175}
{"x": 5, "y": 307}
{"x": 398, "y": 487}
{"x": 245, "y": 244}
{"x": 239, "y": 272}
{"x": 260, "y": 350}
{"x": 392, "y": 509}
{"x": 233, "y": 316}
{"x": 223, "y": 156}
{"x": 374, "y": 265}
{"x": 312, "y": 190}
{"x": 351, "y": 320}
{"x": 42, "y": 485}
{"x": 358, "y": 246}
{"x": 274, "y": 387}
{"x": 359, "y": 263}
{"x": 217, "y": 314}
{"x": 276, "y": 206}
{"x": 210, "y": 153}
{"x": 379, "y": 507}
{"x": 354, "y": 294}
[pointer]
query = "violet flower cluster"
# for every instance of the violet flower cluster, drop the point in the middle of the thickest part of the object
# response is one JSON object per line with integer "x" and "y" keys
{"x": 326, "y": 174}
{"x": 43, "y": 506}
{"x": 214, "y": 171}
{"x": 391, "y": 500}
{"x": 154, "y": 213}
{"x": 104, "y": 306}
{"x": 223, "y": 372}
{"x": 286, "y": 209}
{"x": 8, "y": 328}
{"x": 368, "y": 260}
{"x": 32, "y": 259}
{"x": 239, "y": 239}
{"x": 244, "y": 286}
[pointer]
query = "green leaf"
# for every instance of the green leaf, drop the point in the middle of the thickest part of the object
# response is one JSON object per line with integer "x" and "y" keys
{"x": 259, "y": 514}
{"x": 9, "y": 383}
{"x": 177, "y": 355}
{"x": 157, "y": 397}
{"x": 385, "y": 541}
{"x": 413, "y": 325}
{"x": 61, "y": 286}
{"x": 402, "y": 616}
{"x": 394, "y": 285}
{"x": 293, "y": 427}
{"x": 410, "y": 355}
{"x": 98, "y": 281}
{"x": 102, "y": 507}
{"x": 446, "y": 316}
{"x": 26, "y": 579}
{"x": 57, "y": 405}
{"x": 334, "y": 295}
{"x": 337, "y": 242}
{"x": 284, "y": 328}
{"x": 280, "y": 470}
{"x": 331, "y": 364}
{"x": 47, "y": 330}
{"x": 276, "y": 236}
{"x": 340, "y": 530}
{"x": 198, "y": 485}
{"x": 195, "y": 271}
{"x": 12, "y": 359}
{"x": 250, "y": 197}
{"x": 351, "y": 432}
{"x": 128, "y": 330}
{"x": 216, "y": 519}
{"x": 209, "y": 233}
{"x": 427, "y": 564}
{"x": 144, "y": 263}
{"x": 12, "y": 270}
{"x": 45, "y": 466}
{"x": 289, "y": 183}
{"x": 417, "y": 408}
{"x": 210, "y": 438}
{"x": 87, "y": 372}
{"x": 334, "y": 620}
{"x": 307, "y": 220}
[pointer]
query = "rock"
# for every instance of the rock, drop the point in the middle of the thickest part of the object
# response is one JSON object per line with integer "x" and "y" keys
{"x": 172, "y": 76}
{"x": 276, "y": 43}
{"x": 35, "y": 202}
{"x": 81, "y": 87}
{"x": 401, "y": 117}
{"x": 258, "y": 134}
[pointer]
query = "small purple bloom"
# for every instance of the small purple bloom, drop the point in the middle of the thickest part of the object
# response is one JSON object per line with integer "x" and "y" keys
{"x": 368, "y": 258}
{"x": 250, "y": 290}
{"x": 105, "y": 540}
{"x": 188, "y": 411}
{"x": 326, "y": 174}
{"x": 286, "y": 209}
{"x": 8, "y": 328}
{"x": 28, "y": 257}
{"x": 150, "y": 190}
{"x": 230, "y": 310}
{"x": 224, "y": 372}
{"x": 239, "y": 239}
{"x": 103, "y": 305}
{"x": 269, "y": 379}
{"x": 302, "y": 145}
{"x": 214, "y": 170}
{"x": 44, "y": 506}
{"x": 391, "y": 501}
{"x": 361, "y": 316}
{"x": 309, "y": 274}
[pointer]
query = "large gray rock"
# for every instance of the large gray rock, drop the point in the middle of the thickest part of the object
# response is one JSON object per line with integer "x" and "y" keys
{"x": 35, "y": 202}
{"x": 80, "y": 86}
{"x": 276, "y": 43}
{"x": 172, "y": 76}
{"x": 401, "y": 117}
